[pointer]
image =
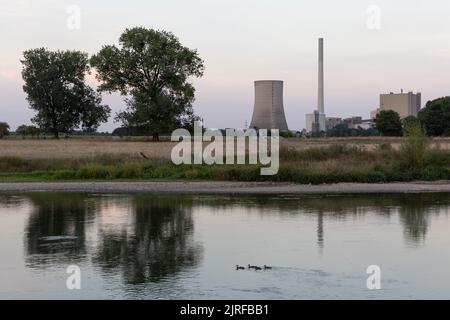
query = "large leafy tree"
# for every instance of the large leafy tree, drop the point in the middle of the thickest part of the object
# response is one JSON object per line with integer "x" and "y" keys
{"x": 56, "y": 90}
{"x": 388, "y": 123}
{"x": 435, "y": 117}
{"x": 151, "y": 69}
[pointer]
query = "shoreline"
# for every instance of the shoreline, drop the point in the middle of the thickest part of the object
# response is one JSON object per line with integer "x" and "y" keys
{"x": 224, "y": 187}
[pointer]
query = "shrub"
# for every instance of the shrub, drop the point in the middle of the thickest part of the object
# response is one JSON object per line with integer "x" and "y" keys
{"x": 413, "y": 150}
{"x": 14, "y": 164}
{"x": 384, "y": 147}
{"x": 287, "y": 134}
{"x": 410, "y": 121}
{"x": 319, "y": 154}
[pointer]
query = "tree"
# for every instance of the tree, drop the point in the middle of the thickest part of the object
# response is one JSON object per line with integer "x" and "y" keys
{"x": 4, "y": 129}
{"x": 56, "y": 90}
{"x": 435, "y": 117}
{"x": 410, "y": 121}
{"x": 388, "y": 123}
{"x": 25, "y": 130}
{"x": 151, "y": 68}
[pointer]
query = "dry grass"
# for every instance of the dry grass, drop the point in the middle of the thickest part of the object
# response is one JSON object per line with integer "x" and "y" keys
{"x": 82, "y": 148}
{"x": 316, "y": 156}
{"x": 301, "y": 161}
{"x": 332, "y": 158}
{"x": 365, "y": 143}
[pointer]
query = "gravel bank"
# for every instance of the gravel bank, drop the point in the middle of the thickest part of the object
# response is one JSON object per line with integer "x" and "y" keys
{"x": 213, "y": 187}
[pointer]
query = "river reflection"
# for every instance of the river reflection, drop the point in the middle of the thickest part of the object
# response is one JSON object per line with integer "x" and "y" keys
{"x": 158, "y": 244}
{"x": 161, "y": 246}
{"x": 143, "y": 238}
{"x": 56, "y": 227}
{"x": 415, "y": 211}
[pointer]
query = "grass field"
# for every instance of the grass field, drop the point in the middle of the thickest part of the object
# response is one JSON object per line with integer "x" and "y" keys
{"x": 82, "y": 148}
{"x": 303, "y": 161}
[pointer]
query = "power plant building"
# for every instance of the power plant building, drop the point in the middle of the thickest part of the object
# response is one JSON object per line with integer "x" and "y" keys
{"x": 268, "y": 112}
{"x": 316, "y": 122}
{"x": 405, "y": 104}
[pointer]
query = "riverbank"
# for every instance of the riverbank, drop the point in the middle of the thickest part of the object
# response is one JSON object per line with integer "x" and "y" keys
{"x": 226, "y": 187}
{"x": 339, "y": 163}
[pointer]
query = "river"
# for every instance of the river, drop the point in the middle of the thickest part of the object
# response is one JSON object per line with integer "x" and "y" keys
{"x": 149, "y": 246}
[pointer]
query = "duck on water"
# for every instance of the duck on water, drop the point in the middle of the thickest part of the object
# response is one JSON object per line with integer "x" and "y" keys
{"x": 256, "y": 268}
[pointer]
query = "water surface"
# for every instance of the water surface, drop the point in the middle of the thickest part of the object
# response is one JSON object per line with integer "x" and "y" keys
{"x": 187, "y": 247}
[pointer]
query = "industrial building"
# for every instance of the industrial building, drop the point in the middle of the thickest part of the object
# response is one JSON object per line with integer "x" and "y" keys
{"x": 333, "y": 122}
{"x": 316, "y": 121}
{"x": 405, "y": 104}
{"x": 359, "y": 123}
{"x": 268, "y": 112}
{"x": 351, "y": 123}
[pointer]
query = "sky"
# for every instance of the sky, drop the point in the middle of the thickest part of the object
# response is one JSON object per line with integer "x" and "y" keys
{"x": 371, "y": 47}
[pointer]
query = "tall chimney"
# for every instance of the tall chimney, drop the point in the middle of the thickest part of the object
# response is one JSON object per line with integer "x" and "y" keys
{"x": 320, "y": 102}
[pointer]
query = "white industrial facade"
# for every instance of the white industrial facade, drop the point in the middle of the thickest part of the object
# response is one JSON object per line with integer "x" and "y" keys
{"x": 316, "y": 122}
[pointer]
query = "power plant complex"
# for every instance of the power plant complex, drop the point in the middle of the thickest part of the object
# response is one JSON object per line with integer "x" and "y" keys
{"x": 269, "y": 113}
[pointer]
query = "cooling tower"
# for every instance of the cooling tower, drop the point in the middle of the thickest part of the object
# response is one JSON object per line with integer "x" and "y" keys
{"x": 269, "y": 110}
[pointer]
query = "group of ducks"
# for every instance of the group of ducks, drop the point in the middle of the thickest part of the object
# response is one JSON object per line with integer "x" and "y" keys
{"x": 256, "y": 268}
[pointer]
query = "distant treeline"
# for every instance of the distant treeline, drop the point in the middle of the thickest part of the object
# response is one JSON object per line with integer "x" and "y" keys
{"x": 342, "y": 130}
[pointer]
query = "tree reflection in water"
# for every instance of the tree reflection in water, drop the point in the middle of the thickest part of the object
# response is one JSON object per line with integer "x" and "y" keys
{"x": 415, "y": 214}
{"x": 56, "y": 228}
{"x": 160, "y": 243}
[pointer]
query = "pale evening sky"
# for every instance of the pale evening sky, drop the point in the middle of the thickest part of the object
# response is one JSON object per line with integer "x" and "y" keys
{"x": 246, "y": 40}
